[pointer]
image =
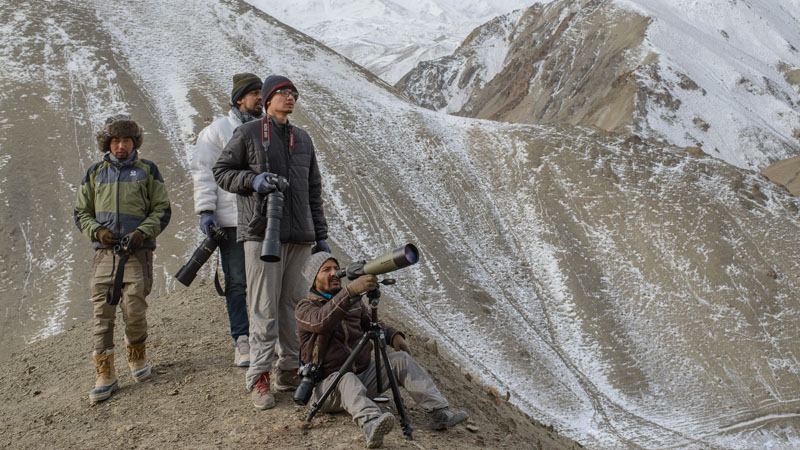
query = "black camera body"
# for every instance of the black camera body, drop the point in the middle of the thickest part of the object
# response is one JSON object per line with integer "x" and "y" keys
{"x": 312, "y": 374}
{"x": 122, "y": 247}
{"x": 200, "y": 256}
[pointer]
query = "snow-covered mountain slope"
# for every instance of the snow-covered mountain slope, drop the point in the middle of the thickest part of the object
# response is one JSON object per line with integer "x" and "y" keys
{"x": 632, "y": 294}
{"x": 720, "y": 75}
{"x": 388, "y": 37}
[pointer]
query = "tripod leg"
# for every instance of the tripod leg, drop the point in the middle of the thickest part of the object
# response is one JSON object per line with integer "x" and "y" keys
{"x": 378, "y": 378}
{"x": 380, "y": 341}
{"x": 343, "y": 370}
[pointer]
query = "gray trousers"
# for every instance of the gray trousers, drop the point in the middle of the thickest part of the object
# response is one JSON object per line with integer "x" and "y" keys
{"x": 355, "y": 391}
{"x": 273, "y": 290}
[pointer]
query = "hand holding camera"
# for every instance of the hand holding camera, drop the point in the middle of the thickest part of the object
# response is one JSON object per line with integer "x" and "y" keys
{"x": 135, "y": 240}
{"x": 107, "y": 237}
{"x": 266, "y": 182}
{"x": 207, "y": 220}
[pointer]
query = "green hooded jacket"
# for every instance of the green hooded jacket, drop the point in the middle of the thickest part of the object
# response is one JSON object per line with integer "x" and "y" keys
{"x": 123, "y": 196}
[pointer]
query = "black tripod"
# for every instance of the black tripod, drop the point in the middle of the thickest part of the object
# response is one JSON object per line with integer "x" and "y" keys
{"x": 378, "y": 338}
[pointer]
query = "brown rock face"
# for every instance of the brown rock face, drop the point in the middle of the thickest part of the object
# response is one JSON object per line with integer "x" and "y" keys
{"x": 564, "y": 64}
{"x": 785, "y": 173}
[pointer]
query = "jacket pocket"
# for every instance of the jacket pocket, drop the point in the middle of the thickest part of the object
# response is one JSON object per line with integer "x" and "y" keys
{"x": 257, "y": 225}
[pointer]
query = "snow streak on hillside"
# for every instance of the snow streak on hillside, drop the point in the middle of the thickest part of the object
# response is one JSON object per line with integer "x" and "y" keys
{"x": 631, "y": 295}
{"x": 389, "y": 37}
{"x": 741, "y": 55}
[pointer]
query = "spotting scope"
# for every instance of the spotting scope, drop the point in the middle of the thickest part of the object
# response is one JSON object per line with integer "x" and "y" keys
{"x": 398, "y": 258}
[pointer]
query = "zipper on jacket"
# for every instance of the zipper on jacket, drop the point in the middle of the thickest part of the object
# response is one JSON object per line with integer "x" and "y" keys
{"x": 141, "y": 192}
{"x": 117, "y": 225}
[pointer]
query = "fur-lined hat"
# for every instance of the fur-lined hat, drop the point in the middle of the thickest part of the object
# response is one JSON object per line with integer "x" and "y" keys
{"x": 315, "y": 261}
{"x": 120, "y": 125}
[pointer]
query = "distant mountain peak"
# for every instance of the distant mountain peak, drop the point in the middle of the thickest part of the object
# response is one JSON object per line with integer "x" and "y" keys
{"x": 684, "y": 74}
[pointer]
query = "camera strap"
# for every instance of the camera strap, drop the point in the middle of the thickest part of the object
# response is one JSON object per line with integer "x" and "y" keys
{"x": 113, "y": 295}
{"x": 217, "y": 284}
{"x": 265, "y": 135}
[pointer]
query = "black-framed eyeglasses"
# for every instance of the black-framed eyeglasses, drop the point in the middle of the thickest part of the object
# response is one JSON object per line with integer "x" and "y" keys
{"x": 285, "y": 93}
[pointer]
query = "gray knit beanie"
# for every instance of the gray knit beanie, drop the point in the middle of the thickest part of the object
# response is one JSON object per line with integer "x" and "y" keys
{"x": 315, "y": 261}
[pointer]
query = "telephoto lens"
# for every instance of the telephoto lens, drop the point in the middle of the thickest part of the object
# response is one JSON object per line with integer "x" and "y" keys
{"x": 271, "y": 247}
{"x": 188, "y": 272}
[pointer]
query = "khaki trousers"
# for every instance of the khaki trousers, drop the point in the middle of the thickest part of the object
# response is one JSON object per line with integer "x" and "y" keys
{"x": 137, "y": 283}
{"x": 354, "y": 392}
{"x": 273, "y": 290}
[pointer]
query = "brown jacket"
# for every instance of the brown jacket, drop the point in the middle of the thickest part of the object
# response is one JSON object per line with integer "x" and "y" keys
{"x": 317, "y": 320}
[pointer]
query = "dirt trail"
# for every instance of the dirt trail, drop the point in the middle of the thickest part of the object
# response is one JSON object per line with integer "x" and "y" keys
{"x": 197, "y": 399}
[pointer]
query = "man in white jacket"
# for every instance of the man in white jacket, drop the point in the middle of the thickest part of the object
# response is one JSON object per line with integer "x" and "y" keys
{"x": 217, "y": 207}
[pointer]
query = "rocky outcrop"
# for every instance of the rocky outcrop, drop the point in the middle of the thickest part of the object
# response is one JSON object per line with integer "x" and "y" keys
{"x": 664, "y": 70}
{"x": 560, "y": 62}
{"x": 785, "y": 173}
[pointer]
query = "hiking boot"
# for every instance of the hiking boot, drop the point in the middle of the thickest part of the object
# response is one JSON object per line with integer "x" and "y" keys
{"x": 106, "y": 382}
{"x": 443, "y": 418}
{"x": 260, "y": 395}
{"x": 377, "y": 428}
{"x": 137, "y": 362}
{"x": 241, "y": 352}
{"x": 286, "y": 380}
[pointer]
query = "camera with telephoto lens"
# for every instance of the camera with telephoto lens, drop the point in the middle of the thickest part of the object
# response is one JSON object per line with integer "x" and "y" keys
{"x": 311, "y": 374}
{"x": 272, "y": 209}
{"x": 200, "y": 256}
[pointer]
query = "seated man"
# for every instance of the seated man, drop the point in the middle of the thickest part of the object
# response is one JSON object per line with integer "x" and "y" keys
{"x": 330, "y": 322}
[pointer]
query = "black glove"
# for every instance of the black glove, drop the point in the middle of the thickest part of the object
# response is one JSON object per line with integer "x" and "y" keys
{"x": 107, "y": 237}
{"x": 322, "y": 246}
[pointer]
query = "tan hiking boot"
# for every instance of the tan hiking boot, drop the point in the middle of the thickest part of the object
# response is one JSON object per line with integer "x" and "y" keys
{"x": 106, "y": 382}
{"x": 137, "y": 361}
{"x": 262, "y": 399}
{"x": 286, "y": 380}
{"x": 377, "y": 428}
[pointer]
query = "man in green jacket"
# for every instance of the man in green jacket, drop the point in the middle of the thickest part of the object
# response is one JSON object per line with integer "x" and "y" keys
{"x": 122, "y": 206}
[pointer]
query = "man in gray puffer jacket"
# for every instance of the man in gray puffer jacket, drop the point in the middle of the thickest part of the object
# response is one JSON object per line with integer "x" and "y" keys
{"x": 258, "y": 151}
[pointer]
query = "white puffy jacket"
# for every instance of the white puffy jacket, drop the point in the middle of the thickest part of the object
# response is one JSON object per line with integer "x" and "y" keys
{"x": 207, "y": 195}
